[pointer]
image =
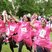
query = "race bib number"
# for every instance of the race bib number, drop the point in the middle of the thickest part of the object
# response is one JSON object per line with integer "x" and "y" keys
{"x": 42, "y": 33}
{"x": 12, "y": 28}
{"x": 23, "y": 30}
{"x": 34, "y": 30}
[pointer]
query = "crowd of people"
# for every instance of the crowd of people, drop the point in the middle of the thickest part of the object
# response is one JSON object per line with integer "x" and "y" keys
{"x": 33, "y": 32}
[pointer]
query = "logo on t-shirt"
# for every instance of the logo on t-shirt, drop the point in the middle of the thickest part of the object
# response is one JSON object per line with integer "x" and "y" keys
{"x": 42, "y": 33}
{"x": 12, "y": 28}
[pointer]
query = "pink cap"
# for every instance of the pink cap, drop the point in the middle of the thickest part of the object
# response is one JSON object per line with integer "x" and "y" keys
{"x": 44, "y": 19}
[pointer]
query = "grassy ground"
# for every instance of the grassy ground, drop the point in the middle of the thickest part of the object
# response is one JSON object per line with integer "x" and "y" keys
{"x": 51, "y": 38}
{"x": 6, "y": 48}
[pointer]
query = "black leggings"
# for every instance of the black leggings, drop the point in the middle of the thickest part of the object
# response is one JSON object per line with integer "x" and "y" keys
{"x": 21, "y": 45}
{"x": 12, "y": 44}
{"x": 1, "y": 42}
{"x": 46, "y": 50}
{"x": 40, "y": 49}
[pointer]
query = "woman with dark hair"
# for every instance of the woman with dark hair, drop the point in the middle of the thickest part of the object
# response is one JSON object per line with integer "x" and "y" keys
{"x": 42, "y": 40}
{"x": 24, "y": 34}
{"x": 11, "y": 32}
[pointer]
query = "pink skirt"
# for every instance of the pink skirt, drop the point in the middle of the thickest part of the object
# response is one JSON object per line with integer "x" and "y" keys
{"x": 28, "y": 41}
{"x": 43, "y": 43}
{"x": 15, "y": 38}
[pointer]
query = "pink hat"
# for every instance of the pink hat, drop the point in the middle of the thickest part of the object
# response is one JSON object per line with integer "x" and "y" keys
{"x": 44, "y": 19}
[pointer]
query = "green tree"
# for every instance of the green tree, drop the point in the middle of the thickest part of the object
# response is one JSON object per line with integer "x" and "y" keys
{"x": 20, "y": 7}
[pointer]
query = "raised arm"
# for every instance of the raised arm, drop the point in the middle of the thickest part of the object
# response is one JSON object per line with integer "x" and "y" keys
{"x": 32, "y": 23}
{"x": 15, "y": 18}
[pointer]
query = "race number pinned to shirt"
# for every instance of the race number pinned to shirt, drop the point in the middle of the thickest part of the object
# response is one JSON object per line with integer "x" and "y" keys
{"x": 12, "y": 28}
{"x": 42, "y": 33}
{"x": 23, "y": 29}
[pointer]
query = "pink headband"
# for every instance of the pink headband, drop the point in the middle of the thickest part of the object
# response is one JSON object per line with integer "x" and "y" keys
{"x": 44, "y": 19}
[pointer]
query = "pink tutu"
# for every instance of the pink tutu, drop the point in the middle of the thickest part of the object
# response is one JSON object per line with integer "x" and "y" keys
{"x": 15, "y": 38}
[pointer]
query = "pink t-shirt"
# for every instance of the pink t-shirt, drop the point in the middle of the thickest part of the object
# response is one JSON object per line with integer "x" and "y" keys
{"x": 37, "y": 25}
{"x": 43, "y": 37}
{"x": 2, "y": 26}
{"x": 24, "y": 32}
{"x": 11, "y": 28}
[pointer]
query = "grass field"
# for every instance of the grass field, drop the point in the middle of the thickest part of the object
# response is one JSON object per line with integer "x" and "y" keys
{"x": 6, "y": 48}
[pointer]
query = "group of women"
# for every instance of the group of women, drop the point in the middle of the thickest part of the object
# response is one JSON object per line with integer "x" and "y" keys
{"x": 32, "y": 32}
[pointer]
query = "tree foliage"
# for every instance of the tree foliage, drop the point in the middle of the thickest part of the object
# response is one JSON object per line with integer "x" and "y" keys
{"x": 20, "y": 7}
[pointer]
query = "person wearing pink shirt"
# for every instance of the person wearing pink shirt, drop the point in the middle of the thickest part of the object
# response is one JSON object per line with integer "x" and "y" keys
{"x": 11, "y": 32}
{"x": 2, "y": 30}
{"x": 24, "y": 34}
{"x": 42, "y": 40}
{"x": 35, "y": 23}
